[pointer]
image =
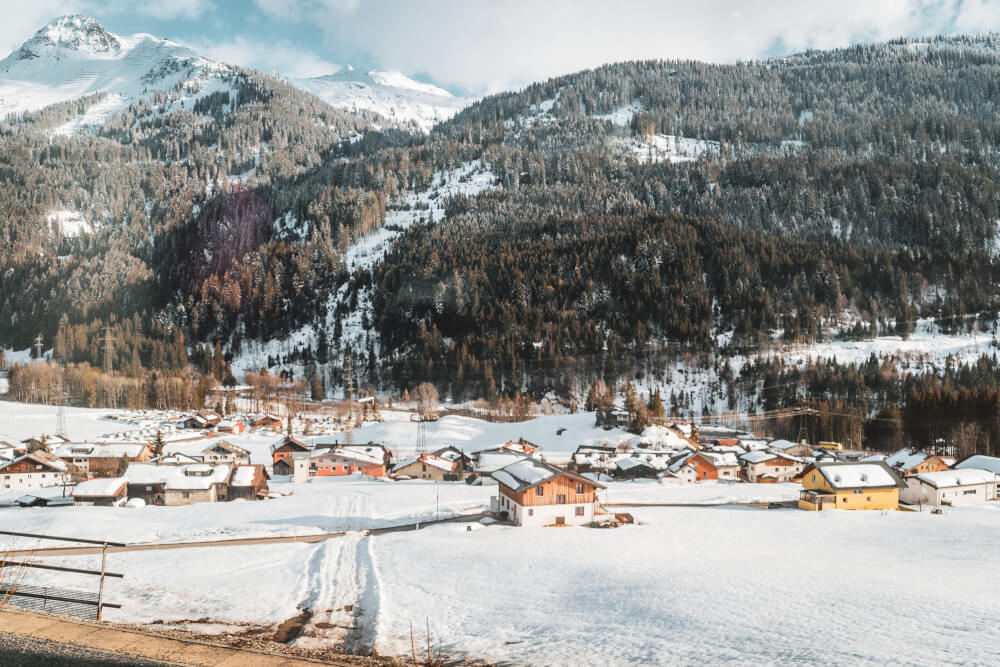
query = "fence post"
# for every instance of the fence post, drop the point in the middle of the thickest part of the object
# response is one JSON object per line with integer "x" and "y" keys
{"x": 100, "y": 589}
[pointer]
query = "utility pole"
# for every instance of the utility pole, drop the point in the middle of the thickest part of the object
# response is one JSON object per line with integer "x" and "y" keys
{"x": 61, "y": 413}
{"x": 108, "y": 349}
{"x": 38, "y": 346}
{"x": 349, "y": 395}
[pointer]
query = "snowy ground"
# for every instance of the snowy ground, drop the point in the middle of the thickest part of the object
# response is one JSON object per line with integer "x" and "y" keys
{"x": 685, "y": 585}
{"x": 19, "y": 421}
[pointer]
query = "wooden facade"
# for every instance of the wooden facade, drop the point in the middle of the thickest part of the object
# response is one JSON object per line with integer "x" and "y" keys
{"x": 559, "y": 490}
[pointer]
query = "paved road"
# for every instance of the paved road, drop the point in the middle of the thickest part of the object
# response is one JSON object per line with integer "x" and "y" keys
{"x": 236, "y": 542}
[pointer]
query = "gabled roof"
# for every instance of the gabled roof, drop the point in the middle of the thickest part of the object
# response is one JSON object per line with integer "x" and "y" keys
{"x": 719, "y": 460}
{"x": 859, "y": 475}
{"x": 905, "y": 459}
{"x": 176, "y": 458}
{"x": 244, "y": 474}
{"x": 290, "y": 443}
{"x": 228, "y": 446}
{"x": 981, "y": 462}
{"x": 429, "y": 459}
{"x": 41, "y": 458}
{"x": 113, "y": 450}
{"x": 370, "y": 453}
{"x": 963, "y": 477}
{"x": 183, "y": 477}
{"x": 100, "y": 487}
{"x": 529, "y": 473}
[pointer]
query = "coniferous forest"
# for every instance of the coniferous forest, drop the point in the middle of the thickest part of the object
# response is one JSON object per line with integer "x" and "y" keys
{"x": 836, "y": 194}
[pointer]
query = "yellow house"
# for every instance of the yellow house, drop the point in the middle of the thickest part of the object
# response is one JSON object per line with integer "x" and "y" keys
{"x": 865, "y": 485}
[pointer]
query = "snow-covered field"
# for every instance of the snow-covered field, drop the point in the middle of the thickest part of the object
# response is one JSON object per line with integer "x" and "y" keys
{"x": 686, "y": 585}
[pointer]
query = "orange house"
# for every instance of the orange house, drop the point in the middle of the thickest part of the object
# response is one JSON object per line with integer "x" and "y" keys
{"x": 286, "y": 447}
{"x": 370, "y": 459}
{"x": 709, "y": 465}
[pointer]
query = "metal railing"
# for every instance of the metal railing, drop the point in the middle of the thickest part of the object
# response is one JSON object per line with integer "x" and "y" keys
{"x": 82, "y": 604}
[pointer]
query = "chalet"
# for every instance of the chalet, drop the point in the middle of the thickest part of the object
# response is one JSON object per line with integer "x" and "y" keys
{"x": 908, "y": 462}
{"x": 336, "y": 459}
{"x": 790, "y": 448}
{"x": 178, "y": 485}
{"x": 284, "y": 448}
{"x": 521, "y": 446}
{"x": 713, "y": 466}
{"x": 870, "y": 485}
{"x": 760, "y": 466}
{"x": 533, "y": 493}
{"x": 450, "y": 453}
{"x": 103, "y": 459}
{"x": 234, "y": 427}
{"x": 203, "y": 419}
{"x": 249, "y": 482}
{"x": 967, "y": 486}
{"x": 635, "y": 467}
{"x": 35, "y": 470}
{"x": 427, "y": 466}
{"x": 225, "y": 452}
{"x": 265, "y": 421}
{"x": 102, "y": 491}
{"x": 593, "y": 458}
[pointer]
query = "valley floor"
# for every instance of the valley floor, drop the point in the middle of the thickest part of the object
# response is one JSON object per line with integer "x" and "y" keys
{"x": 685, "y": 585}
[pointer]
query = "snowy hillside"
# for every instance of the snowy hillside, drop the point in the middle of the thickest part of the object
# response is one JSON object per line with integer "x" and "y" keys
{"x": 75, "y": 56}
{"x": 391, "y": 94}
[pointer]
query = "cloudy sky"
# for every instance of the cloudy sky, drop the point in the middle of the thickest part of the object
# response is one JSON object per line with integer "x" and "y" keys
{"x": 481, "y": 46}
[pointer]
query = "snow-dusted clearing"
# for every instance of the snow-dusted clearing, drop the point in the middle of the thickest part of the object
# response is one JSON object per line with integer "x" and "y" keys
{"x": 665, "y": 148}
{"x": 68, "y": 223}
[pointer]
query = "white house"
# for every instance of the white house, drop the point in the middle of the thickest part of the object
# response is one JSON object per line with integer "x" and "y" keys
{"x": 770, "y": 467}
{"x": 34, "y": 470}
{"x": 224, "y": 451}
{"x": 533, "y": 493}
{"x": 967, "y": 486}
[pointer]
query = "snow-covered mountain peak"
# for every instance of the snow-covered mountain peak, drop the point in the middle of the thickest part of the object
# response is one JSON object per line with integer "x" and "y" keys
{"x": 391, "y": 94}
{"x": 71, "y": 33}
{"x": 74, "y": 56}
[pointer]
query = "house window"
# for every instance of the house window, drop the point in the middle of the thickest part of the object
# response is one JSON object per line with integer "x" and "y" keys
{"x": 531, "y": 511}
{"x": 843, "y": 500}
{"x": 869, "y": 498}
{"x": 579, "y": 511}
{"x": 539, "y": 491}
{"x": 969, "y": 492}
{"x": 857, "y": 492}
{"x": 814, "y": 477}
{"x": 579, "y": 489}
{"x": 561, "y": 499}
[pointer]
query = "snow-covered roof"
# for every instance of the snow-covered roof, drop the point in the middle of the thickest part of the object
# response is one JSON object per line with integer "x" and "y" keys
{"x": 373, "y": 454}
{"x": 962, "y": 477}
{"x": 178, "y": 477}
{"x": 430, "y": 459}
{"x": 752, "y": 445}
{"x": 781, "y": 444}
{"x": 729, "y": 449}
{"x": 42, "y": 458}
{"x": 871, "y": 475}
{"x": 981, "y": 462}
{"x": 243, "y": 475}
{"x": 494, "y": 460}
{"x": 758, "y": 457}
{"x": 225, "y": 444}
{"x": 630, "y": 462}
{"x": 680, "y": 461}
{"x": 722, "y": 460}
{"x": 176, "y": 458}
{"x": 905, "y": 459}
{"x": 87, "y": 450}
{"x": 524, "y": 474}
{"x": 99, "y": 487}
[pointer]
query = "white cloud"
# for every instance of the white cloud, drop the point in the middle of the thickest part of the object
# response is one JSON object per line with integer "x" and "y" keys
{"x": 280, "y": 58}
{"x": 172, "y": 9}
{"x": 493, "y": 46}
